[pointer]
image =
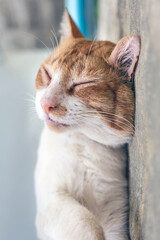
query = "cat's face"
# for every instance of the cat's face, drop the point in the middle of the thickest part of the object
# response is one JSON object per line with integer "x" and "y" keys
{"x": 85, "y": 86}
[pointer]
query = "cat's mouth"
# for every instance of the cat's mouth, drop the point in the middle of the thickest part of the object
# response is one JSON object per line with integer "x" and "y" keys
{"x": 56, "y": 124}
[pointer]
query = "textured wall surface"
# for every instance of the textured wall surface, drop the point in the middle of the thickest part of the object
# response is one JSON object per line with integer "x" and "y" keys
{"x": 142, "y": 18}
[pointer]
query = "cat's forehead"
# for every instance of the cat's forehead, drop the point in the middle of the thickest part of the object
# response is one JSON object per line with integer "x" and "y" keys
{"x": 80, "y": 49}
{"x": 81, "y": 57}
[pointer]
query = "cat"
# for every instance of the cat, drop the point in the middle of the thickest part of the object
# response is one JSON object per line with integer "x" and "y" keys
{"x": 84, "y": 94}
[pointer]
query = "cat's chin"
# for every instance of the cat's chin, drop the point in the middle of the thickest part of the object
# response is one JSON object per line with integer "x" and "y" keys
{"x": 56, "y": 126}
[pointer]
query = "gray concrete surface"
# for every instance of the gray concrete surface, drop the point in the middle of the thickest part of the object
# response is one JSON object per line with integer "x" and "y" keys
{"x": 141, "y": 17}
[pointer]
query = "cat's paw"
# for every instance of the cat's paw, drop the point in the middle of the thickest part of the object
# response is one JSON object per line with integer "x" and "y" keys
{"x": 96, "y": 233}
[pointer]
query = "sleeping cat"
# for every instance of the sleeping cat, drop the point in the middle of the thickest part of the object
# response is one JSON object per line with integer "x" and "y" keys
{"x": 84, "y": 95}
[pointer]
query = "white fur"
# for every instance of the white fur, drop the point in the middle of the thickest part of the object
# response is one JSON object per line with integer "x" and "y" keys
{"x": 39, "y": 109}
{"x": 80, "y": 181}
{"x": 80, "y": 187}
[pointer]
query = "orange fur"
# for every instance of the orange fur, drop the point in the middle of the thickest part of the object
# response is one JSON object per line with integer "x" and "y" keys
{"x": 86, "y": 87}
{"x": 82, "y": 60}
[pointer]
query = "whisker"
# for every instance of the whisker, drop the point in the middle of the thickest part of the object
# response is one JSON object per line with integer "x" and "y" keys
{"x": 37, "y": 39}
{"x": 91, "y": 45}
{"x": 90, "y": 48}
{"x": 53, "y": 46}
{"x": 29, "y": 100}
{"x": 108, "y": 114}
{"x": 99, "y": 129}
{"x": 110, "y": 120}
{"x": 87, "y": 117}
{"x": 54, "y": 35}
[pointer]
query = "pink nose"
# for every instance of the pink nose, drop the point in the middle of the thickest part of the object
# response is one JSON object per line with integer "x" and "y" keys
{"x": 48, "y": 107}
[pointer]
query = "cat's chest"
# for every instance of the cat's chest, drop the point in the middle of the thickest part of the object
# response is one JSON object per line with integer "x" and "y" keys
{"x": 72, "y": 163}
{"x": 71, "y": 148}
{"x": 72, "y": 154}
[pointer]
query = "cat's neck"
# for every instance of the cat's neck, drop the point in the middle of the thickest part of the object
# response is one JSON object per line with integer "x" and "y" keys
{"x": 97, "y": 148}
{"x": 97, "y": 139}
{"x": 79, "y": 142}
{"x": 104, "y": 137}
{"x": 85, "y": 136}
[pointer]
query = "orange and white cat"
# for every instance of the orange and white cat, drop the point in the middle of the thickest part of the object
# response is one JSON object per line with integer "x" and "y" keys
{"x": 84, "y": 95}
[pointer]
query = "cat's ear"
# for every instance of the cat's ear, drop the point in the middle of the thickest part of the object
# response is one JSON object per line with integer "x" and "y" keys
{"x": 68, "y": 27}
{"x": 125, "y": 54}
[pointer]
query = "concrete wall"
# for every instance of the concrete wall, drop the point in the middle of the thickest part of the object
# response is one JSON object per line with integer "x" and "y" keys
{"x": 141, "y": 17}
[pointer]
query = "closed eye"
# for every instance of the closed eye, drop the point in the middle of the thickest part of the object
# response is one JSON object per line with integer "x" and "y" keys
{"x": 79, "y": 84}
{"x": 49, "y": 77}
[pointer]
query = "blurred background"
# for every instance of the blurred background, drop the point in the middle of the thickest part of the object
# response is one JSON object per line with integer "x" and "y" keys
{"x": 29, "y": 30}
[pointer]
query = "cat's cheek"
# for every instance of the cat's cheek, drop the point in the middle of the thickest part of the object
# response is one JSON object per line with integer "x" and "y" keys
{"x": 39, "y": 109}
{"x": 55, "y": 129}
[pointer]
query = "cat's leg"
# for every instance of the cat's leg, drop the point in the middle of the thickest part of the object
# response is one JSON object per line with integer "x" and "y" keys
{"x": 111, "y": 233}
{"x": 65, "y": 219}
{"x": 113, "y": 218}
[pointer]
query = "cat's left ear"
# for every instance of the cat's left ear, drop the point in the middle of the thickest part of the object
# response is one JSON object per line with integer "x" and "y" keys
{"x": 68, "y": 27}
{"x": 125, "y": 54}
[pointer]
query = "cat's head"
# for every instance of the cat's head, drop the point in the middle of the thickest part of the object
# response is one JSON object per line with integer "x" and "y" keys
{"x": 86, "y": 86}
